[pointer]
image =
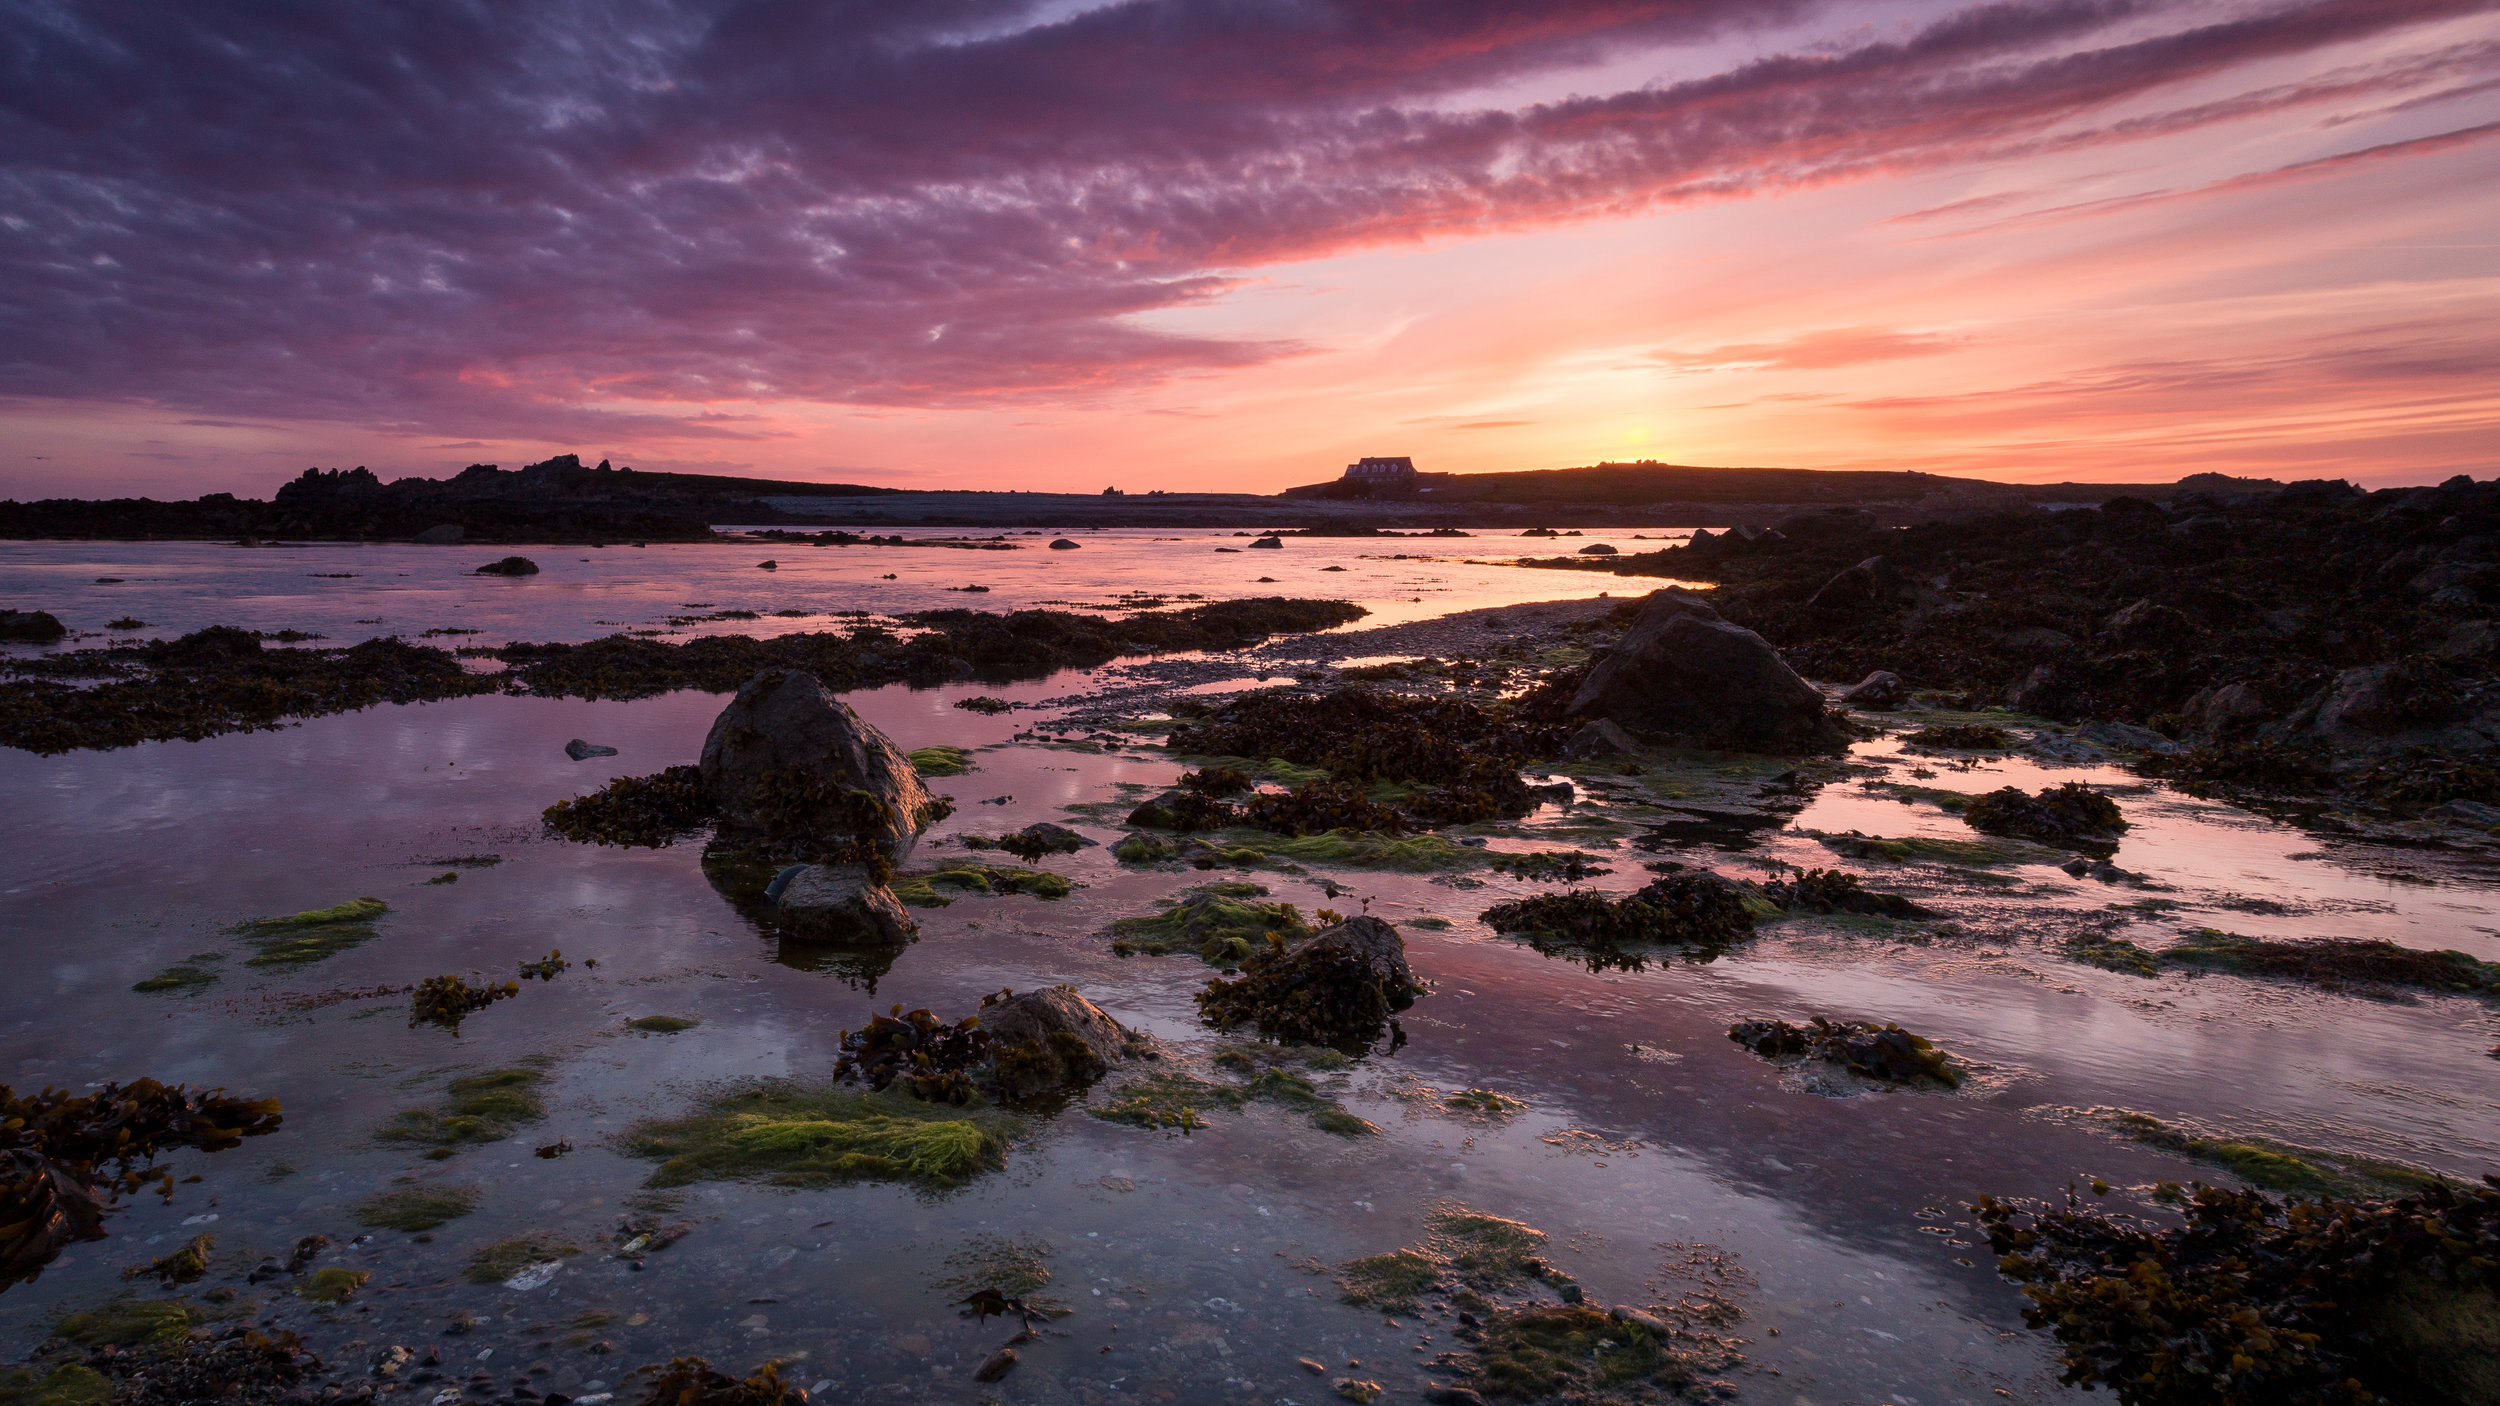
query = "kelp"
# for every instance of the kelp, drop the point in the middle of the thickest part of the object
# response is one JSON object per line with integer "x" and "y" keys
{"x": 1837, "y": 891}
{"x": 963, "y": 877}
{"x": 1961, "y": 737}
{"x": 2335, "y": 963}
{"x": 1313, "y": 992}
{"x": 1548, "y": 866}
{"x": 1466, "y": 758}
{"x": 66, "y": 1159}
{"x": 650, "y": 812}
{"x": 930, "y": 1058}
{"x": 691, "y": 1381}
{"x": 2254, "y": 1301}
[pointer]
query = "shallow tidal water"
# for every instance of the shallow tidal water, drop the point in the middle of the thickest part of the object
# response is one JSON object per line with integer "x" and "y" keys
{"x": 1195, "y": 1266}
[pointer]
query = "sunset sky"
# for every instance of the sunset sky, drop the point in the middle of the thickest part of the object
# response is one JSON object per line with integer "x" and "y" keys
{"x": 1226, "y": 244}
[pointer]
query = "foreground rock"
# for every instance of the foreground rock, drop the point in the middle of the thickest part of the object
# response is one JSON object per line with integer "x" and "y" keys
{"x": 789, "y": 767}
{"x": 1340, "y": 988}
{"x": 1051, "y": 1040}
{"x": 1683, "y": 672}
{"x": 1881, "y": 690}
{"x": 840, "y": 903}
{"x": 30, "y": 627}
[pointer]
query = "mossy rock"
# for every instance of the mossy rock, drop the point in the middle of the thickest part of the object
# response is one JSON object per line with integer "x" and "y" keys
{"x": 941, "y": 761}
{"x": 1222, "y": 924}
{"x": 330, "y": 1286}
{"x": 301, "y": 939}
{"x": 505, "y": 1258}
{"x": 130, "y": 1323}
{"x": 1177, "y": 1101}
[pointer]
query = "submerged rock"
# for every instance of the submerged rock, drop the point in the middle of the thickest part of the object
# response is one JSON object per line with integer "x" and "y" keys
{"x": 790, "y": 766}
{"x": 1887, "y": 1052}
{"x": 509, "y": 566}
{"x": 840, "y": 903}
{"x": 1062, "y": 544}
{"x": 581, "y": 751}
{"x": 1684, "y": 672}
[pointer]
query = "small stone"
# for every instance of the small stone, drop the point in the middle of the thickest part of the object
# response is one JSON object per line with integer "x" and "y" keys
{"x": 996, "y": 1365}
{"x": 581, "y": 751}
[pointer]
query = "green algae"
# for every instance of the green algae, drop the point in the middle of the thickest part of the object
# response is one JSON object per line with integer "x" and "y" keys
{"x": 300, "y": 939}
{"x": 130, "y": 1323}
{"x": 1221, "y": 923}
{"x": 1276, "y": 769}
{"x": 330, "y": 1286}
{"x": 1011, "y": 1265}
{"x": 481, "y": 1108}
{"x": 1363, "y": 849}
{"x": 2335, "y": 962}
{"x": 941, "y": 761}
{"x": 71, "y": 1384}
{"x": 1171, "y": 1100}
{"x": 2108, "y": 953}
{"x": 789, "y": 1134}
{"x": 662, "y": 1024}
{"x": 2264, "y": 1162}
{"x": 189, "y": 974}
{"x": 505, "y": 1258}
{"x": 959, "y": 878}
{"x": 1550, "y": 1352}
{"x": 183, "y": 1266}
{"x": 416, "y": 1208}
{"x": 1462, "y": 1248}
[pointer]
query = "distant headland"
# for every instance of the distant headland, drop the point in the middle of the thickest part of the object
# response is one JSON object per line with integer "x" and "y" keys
{"x": 563, "y": 500}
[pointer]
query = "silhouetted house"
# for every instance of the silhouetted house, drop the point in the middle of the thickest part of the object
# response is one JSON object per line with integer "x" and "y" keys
{"x": 1380, "y": 477}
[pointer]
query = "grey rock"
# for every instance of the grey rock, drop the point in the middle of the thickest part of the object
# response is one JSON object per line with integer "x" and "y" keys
{"x": 2035, "y": 692}
{"x": 2357, "y": 701}
{"x": 1155, "y": 812}
{"x": 2125, "y": 737}
{"x": 1071, "y": 1041}
{"x": 1601, "y": 737}
{"x": 1863, "y": 587}
{"x": 2471, "y": 812}
{"x": 1560, "y": 793}
{"x": 2147, "y": 622}
{"x": 579, "y": 750}
{"x": 2473, "y": 639}
{"x": 1381, "y": 950}
{"x": 1059, "y": 839}
{"x": 2230, "y": 708}
{"x": 1881, "y": 690}
{"x": 840, "y": 903}
{"x": 784, "y": 759}
{"x": 1684, "y": 672}
{"x": 2037, "y": 639}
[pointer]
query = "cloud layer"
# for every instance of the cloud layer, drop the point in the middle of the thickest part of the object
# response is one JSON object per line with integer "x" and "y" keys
{"x": 550, "y": 219}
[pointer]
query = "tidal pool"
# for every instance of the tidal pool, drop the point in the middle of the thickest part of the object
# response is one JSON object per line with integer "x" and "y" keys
{"x": 1657, "y": 1156}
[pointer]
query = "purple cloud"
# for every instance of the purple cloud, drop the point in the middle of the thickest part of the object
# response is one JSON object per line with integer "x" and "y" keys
{"x": 505, "y": 222}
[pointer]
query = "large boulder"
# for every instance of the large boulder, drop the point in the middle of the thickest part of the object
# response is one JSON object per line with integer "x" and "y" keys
{"x": 1684, "y": 672}
{"x": 790, "y": 766}
{"x": 840, "y": 903}
{"x": 1052, "y": 1039}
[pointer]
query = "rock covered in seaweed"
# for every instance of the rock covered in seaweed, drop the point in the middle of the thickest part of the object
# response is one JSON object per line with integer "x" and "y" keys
{"x": 789, "y": 766}
{"x": 1682, "y": 671}
{"x": 1888, "y": 1052}
{"x": 2072, "y": 816}
{"x": 1340, "y": 988}
{"x": 840, "y": 903}
{"x": 1052, "y": 1039}
{"x": 31, "y": 626}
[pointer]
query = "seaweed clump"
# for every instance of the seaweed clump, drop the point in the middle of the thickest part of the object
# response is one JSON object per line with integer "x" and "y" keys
{"x": 239, "y": 1364}
{"x": 1887, "y": 1052}
{"x": 1838, "y": 891}
{"x": 2253, "y": 1300}
{"x": 1466, "y": 757}
{"x": 2336, "y": 962}
{"x": 691, "y": 1381}
{"x": 416, "y": 1208}
{"x": 2071, "y": 816}
{"x": 65, "y": 1159}
{"x": 1463, "y": 1250}
{"x": 1574, "y": 1352}
{"x": 1961, "y": 737}
{"x": 1548, "y": 866}
{"x": 448, "y": 1000}
{"x": 1694, "y": 910}
{"x": 480, "y": 1108}
{"x": 931, "y": 1059}
{"x": 1174, "y": 1101}
{"x": 647, "y": 811}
